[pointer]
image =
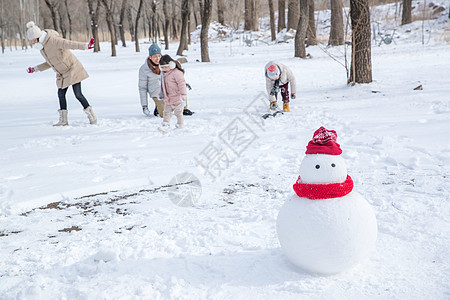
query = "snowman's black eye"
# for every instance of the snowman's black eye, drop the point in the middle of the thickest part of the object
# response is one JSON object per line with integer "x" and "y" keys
{"x": 317, "y": 166}
{"x": 333, "y": 165}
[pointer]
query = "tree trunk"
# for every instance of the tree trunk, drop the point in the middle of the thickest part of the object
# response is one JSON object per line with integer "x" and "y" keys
{"x": 220, "y": 11}
{"x": 136, "y": 27}
{"x": 21, "y": 37}
{"x": 166, "y": 24}
{"x": 272, "y": 21}
{"x": 194, "y": 12}
{"x": 143, "y": 23}
{"x": 62, "y": 26}
{"x": 312, "y": 37}
{"x": 54, "y": 12}
{"x": 248, "y": 15}
{"x": 251, "y": 15}
{"x": 184, "y": 18}
{"x": 115, "y": 24}
{"x": 406, "y": 13}
{"x": 206, "y": 19}
{"x": 20, "y": 26}
{"x": 2, "y": 27}
{"x": 153, "y": 27}
{"x": 337, "y": 26}
{"x": 174, "y": 21}
{"x": 69, "y": 18}
{"x": 130, "y": 23}
{"x": 361, "y": 70}
{"x": 256, "y": 10}
{"x": 11, "y": 37}
{"x": 94, "y": 12}
{"x": 110, "y": 23}
{"x": 188, "y": 33}
{"x": 281, "y": 15}
{"x": 121, "y": 20}
{"x": 293, "y": 14}
{"x": 300, "y": 35}
{"x": 155, "y": 23}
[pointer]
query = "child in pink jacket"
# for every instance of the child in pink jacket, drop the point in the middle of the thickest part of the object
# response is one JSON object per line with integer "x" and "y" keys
{"x": 173, "y": 91}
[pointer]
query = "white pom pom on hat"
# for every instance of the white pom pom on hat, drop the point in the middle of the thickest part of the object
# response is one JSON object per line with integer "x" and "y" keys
{"x": 33, "y": 32}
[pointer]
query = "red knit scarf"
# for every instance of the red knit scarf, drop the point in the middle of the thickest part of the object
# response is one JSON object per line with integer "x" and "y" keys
{"x": 155, "y": 68}
{"x": 323, "y": 191}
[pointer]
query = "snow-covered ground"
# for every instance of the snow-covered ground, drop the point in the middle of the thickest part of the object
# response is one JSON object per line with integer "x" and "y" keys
{"x": 85, "y": 211}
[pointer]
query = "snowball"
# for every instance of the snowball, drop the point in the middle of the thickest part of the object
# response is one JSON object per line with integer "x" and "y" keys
{"x": 327, "y": 236}
{"x": 322, "y": 169}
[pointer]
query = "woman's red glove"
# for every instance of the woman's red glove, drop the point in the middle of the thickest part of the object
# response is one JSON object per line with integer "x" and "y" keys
{"x": 91, "y": 44}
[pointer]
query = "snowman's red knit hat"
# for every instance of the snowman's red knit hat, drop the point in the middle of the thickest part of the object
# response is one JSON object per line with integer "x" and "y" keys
{"x": 324, "y": 142}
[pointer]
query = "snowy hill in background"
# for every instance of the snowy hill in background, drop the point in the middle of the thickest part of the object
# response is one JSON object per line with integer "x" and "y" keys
{"x": 85, "y": 211}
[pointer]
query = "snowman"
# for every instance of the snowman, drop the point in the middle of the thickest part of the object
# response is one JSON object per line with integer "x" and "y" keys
{"x": 325, "y": 227}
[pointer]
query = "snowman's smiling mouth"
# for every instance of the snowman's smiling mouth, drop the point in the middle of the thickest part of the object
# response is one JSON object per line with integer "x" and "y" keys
{"x": 323, "y": 191}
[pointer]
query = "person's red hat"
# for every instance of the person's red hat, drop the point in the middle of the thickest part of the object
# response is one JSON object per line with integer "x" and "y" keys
{"x": 324, "y": 142}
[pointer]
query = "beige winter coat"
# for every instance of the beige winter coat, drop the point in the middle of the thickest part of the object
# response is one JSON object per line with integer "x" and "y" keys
{"x": 56, "y": 52}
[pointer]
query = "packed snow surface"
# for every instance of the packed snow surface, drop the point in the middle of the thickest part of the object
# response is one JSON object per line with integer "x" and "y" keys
{"x": 85, "y": 211}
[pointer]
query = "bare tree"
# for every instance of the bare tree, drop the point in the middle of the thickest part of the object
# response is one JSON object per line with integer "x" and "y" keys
{"x": 148, "y": 21}
{"x": 121, "y": 21}
{"x": 166, "y": 24}
{"x": 153, "y": 22}
{"x": 406, "y": 12}
{"x": 189, "y": 22}
{"x": 53, "y": 6}
{"x": 174, "y": 21}
{"x": 361, "y": 65}
{"x": 205, "y": 8}
{"x": 21, "y": 25}
{"x": 272, "y": 20}
{"x": 220, "y": 11}
{"x": 281, "y": 15}
{"x": 311, "y": 33}
{"x": 194, "y": 12}
{"x": 256, "y": 11}
{"x": 130, "y": 22}
{"x": 69, "y": 18}
{"x": 94, "y": 11}
{"x": 136, "y": 27}
{"x": 62, "y": 25}
{"x": 2, "y": 26}
{"x": 110, "y": 23}
{"x": 337, "y": 26}
{"x": 184, "y": 23}
{"x": 293, "y": 11}
{"x": 250, "y": 15}
{"x": 300, "y": 35}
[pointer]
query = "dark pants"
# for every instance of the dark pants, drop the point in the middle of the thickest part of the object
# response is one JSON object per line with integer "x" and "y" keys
{"x": 284, "y": 92}
{"x": 78, "y": 94}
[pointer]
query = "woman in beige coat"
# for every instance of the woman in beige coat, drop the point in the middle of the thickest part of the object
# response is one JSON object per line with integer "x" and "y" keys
{"x": 69, "y": 70}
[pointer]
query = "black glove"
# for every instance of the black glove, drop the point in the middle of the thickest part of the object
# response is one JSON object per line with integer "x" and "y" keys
{"x": 188, "y": 86}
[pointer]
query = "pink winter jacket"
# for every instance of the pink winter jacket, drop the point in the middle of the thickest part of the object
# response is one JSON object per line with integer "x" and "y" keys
{"x": 173, "y": 86}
